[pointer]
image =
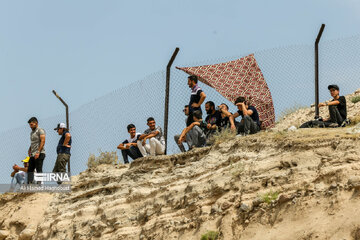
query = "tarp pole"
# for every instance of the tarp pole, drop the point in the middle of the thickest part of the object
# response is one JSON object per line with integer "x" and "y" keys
{"x": 167, "y": 94}
{"x": 67, "y": 118}
{"x": 317, "y": 71}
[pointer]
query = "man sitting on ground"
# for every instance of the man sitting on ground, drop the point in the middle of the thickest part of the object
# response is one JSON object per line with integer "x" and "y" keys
{"x": 187, "y": 122}
{"x": 250, "y": 122}
{"x": 19, "y": 173}
{"x": 156, "y": 144}
{"x": 129, "y": 146}
{"x": 337, "y": 111}
{"x": 213, "y": 119}
{"x": 195, "y": 133}
{"x": 225, "y": 116}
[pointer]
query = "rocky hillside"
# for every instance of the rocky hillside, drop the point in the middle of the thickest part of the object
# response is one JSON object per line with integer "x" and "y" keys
{"x": 273, "y": 185}
{"x": 301, "y": 184}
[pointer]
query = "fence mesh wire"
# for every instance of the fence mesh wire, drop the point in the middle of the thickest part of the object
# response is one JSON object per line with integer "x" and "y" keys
{"x": 101, "y": 124}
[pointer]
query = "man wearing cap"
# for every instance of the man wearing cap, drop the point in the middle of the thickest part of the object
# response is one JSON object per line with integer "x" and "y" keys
{"x": 19, "y": 173}
{"x": 63, "y": 149}
{"x": 250, "y": 122}
{"x": 337, "y": 110}
{"x": 36, "y": 150}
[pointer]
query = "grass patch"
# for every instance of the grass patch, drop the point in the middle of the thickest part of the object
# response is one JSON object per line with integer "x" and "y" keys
{"x": 224, "y": 136}
{"x": 355, "y": 99}
{"x": 210, "y": 235}
{"x": 290, "y": 110}
{"x": 103, "y": 158}
{"x": 270, "y": 196}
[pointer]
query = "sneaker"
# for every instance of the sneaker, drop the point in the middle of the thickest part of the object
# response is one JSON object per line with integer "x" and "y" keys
{"x": 333, "y": 125}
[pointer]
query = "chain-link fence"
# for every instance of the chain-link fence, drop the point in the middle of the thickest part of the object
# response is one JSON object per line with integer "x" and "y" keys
{"x": 101, "y": 124}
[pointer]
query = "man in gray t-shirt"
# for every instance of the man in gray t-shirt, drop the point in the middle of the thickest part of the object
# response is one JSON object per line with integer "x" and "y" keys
{"x": 156, "y": 138}
{"x": 36, "y": 150}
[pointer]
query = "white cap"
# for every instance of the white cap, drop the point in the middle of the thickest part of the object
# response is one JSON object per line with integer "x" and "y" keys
{"x": 60, "y": 125}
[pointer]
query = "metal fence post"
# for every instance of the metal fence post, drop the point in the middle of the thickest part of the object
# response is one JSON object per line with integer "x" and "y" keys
{"x": 67, "y": 118}
{"x": 317, "y": 71}
{"x": 167, "y": 94}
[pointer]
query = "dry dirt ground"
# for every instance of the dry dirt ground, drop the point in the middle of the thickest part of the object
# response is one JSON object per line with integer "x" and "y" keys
{"x": 273, "y": 185}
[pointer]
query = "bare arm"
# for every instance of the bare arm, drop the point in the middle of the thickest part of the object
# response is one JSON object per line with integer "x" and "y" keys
{"x": 232, "y": 119}
{"x": 67, "y": 139}
{"x": 202, "y": 98}
{"x": 226, "y": 113}
{"x": 187, "y": 129}
{"x": 332, "y": 103}
{"x": 42, "y": 143}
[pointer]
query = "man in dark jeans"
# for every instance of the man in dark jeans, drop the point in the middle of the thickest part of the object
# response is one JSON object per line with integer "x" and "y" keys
{"x": 197, "y": 97}
{"x": 36, "y": 149}
{"x": 195, "y": 133}
{"x": 63, "y": 149}
{"x": 129, "y": 146}
{"x": 337, "y": 111}
{"x": 250, "y": 122}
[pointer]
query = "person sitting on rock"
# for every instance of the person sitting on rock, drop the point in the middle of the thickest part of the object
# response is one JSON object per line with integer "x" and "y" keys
{"x": 129, "y": 146}
{"x": 250, "y": 122}
{"x": 19, "y": 173}
{"x": 156, "y": 138}
{"x": 213, "y": 119}
{"x": 225, "y": 116}
{"x": 195, "y": 133}
{"x": 337, "y": 111}
{"x": 187, "y": 122}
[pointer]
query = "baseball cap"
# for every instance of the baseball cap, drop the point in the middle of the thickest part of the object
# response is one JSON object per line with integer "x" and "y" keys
{"x": 60, "y": 125}
{"x": 26, "y": 159}
{"x": 333, "y": 86}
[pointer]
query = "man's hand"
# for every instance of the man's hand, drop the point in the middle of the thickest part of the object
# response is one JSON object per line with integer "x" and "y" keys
{"x": 233, "y": 128}
{"x": 208, "y": 126}
{"x": 322, "y": 104}
{"x": 181, "y": 139}
{"x": 195, "y": 105}
{"x": 144, "y": 141}
{"x": 36, "y": 156}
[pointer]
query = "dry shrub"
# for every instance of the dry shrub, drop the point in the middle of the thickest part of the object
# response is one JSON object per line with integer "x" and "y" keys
{"x": 210, "y": 235}
{"x": 355, "y": 99}
{"x": 103, "y": 158}
{"x": 224, "y": 136}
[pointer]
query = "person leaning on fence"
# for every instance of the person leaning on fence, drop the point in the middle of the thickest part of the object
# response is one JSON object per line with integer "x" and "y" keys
{"x": 250, "y": 122}
{"x": 197, "y": 96}
{"x": 213, "y": 118}
{"x": 19, "y": 175}
{"x": 63, "y": 149}
{"x": 187, "y": 122}
{"x": 225, "y": 116}
{"x": 156, "y": 144}
{"x": 195, "y": 133}
{"x": 337, "y": 111}
{"x": 129, "y": 146}
{"x": 36, "y": 149}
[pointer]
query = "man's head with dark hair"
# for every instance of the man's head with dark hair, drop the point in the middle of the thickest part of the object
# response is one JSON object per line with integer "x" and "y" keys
{"x": 186, "y": 110}
{"x": 151, "y": 123}
{"x": 223, "y": 106}
{"x": 210, "y": 107}
{"x": 33, "y": 119}
{"x": 334, "y": 90}
{"x": 131, "y": 129}
{"x": 197, "y": 115}
{"x": 192, "y": 81}
{"x": 33, "y": 123}
{"x": 240, "y": 100}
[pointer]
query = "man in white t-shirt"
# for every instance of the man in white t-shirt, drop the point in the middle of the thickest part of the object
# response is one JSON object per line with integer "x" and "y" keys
{"x": 129, "y": 146}
{"x": 156, "y": 144}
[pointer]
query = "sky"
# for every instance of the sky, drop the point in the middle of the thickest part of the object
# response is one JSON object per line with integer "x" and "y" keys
{"x": 85, "y": 49}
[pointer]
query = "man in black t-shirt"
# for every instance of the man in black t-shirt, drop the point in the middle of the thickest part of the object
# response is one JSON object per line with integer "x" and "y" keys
{"x": 225, "y": 116}
{"x": 250, "y": 122}
{"x": 337, "y": 111}
{"x": 129, "y": 146}
{"x": 213, "y": 119}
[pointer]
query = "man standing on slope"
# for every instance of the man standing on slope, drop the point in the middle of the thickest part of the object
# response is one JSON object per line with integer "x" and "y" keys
{"x": 156, "y": 144}
{"x": 63, "y": 149}
{"x": 197, "y": 97}
{"x": 36, "y": 149}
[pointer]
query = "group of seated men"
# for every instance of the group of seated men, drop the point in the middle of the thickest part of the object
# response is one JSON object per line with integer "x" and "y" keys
{"x": 198, "y": 131}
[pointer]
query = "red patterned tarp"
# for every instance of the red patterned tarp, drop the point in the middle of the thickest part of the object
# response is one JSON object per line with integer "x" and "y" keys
{"x": 241, "y": 77}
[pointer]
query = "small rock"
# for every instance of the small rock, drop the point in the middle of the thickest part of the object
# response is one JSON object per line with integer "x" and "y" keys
{"x": 333, "y": 186}
{"x": 354, "y": 181}
{"x": 292, "y": 129}
{"x": 225, "y": 205}
{"x": 244, "y": 207}
{"x": 284, "y": 198}
{"x": 27, "y": 234}
{"x": 3, "y": 234}
{"x": 247, "y": 221}
{"x": 257, "y": 202}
